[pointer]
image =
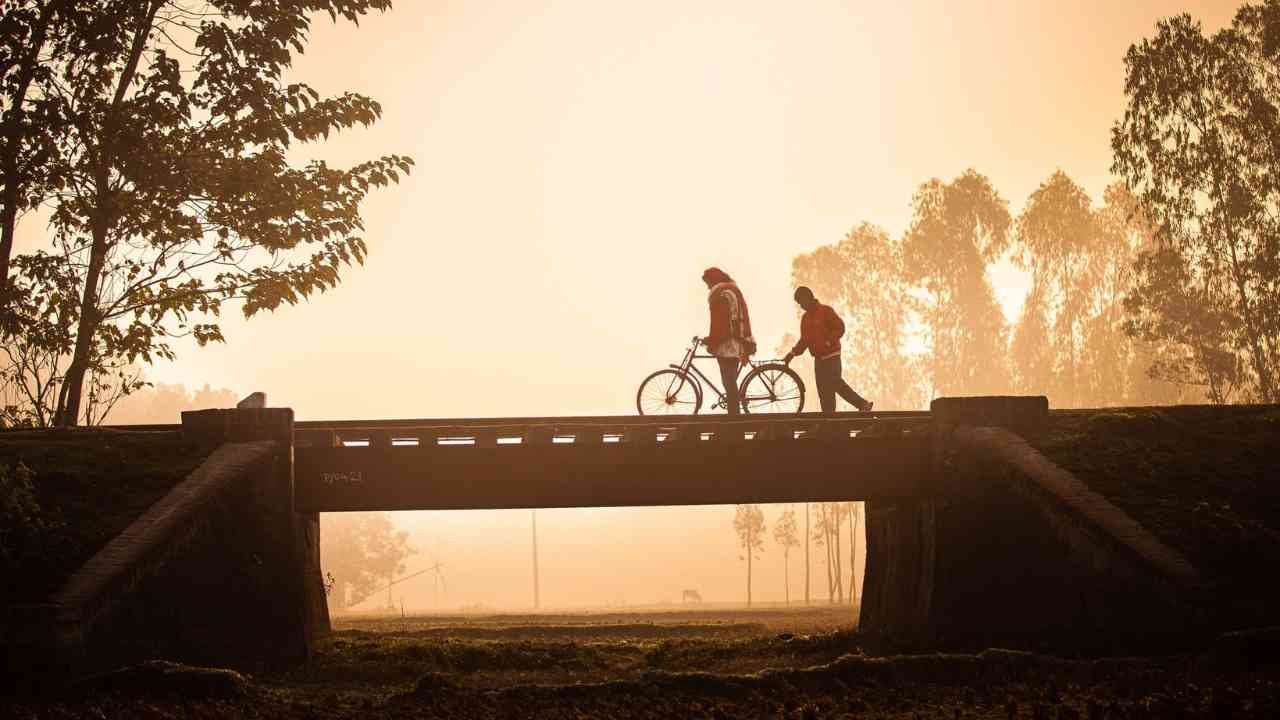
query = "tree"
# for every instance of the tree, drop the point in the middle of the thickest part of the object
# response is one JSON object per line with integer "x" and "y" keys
{"x": 1058, "y": 240}
{"x": 787, "y": 535}
{"x": 362, "y": 552}
{"x": 957, "y": 229}
{"x": 1120, "y": 365}
{"x": 826, "y": 533}
{"x": 748, "y": 522}
{"x": 854, "y": 511}
{"x": 1199, "y": 145}
{"x": 175, "y": 193}
{"x": 862, "y": 278}
{"x": 165, "y": 403}
{"x": 1030, "y": 351}
{"x": 807, "y": 538}
{"x": 32, "y": 43}
{"x": 33, "y": 358}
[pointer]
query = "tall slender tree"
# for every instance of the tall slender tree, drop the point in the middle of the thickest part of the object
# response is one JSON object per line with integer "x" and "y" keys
{"x": 786, "y": 534}
{"x": 854, "y": 509}
{"x": 957, "y": 230}
{"x": 1058, "y": 240}
{"x": 807, "y": 538}
{"x": 748, "y": 523}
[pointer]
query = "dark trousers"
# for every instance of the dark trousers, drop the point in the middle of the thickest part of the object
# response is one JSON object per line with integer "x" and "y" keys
{"x": 830, "y": 384}
{"x": 729, "y": 376}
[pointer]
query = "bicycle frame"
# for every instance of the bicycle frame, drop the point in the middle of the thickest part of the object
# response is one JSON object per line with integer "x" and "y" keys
{"x": 685, "y": 373}
{"x": 686, "y": 365}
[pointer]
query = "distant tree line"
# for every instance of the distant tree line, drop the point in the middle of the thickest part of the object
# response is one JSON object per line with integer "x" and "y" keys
{"x": 830, "y": 520}
{"x": 1168, "y": 290}
{"x": 155, "y": 137}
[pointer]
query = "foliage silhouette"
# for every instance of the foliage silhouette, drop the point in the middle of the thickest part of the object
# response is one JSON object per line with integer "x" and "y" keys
{"x": 1198, "y": 146}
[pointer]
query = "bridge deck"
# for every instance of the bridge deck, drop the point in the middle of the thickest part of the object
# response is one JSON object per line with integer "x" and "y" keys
{"x": 608, "y": 461}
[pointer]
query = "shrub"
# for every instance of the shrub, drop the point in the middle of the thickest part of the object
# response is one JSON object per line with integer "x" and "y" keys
{"x": 30, "y": 537}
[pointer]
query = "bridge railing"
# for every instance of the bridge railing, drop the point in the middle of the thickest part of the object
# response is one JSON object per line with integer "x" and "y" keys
{"x": 597, "y": 430}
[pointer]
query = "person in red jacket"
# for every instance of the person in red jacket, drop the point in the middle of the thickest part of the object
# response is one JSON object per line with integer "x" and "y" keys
{"x": 730, "y": 336}
{"x": 820, "y": 332}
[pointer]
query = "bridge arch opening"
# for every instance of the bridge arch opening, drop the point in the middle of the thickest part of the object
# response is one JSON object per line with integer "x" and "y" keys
{"x": 593, "y": 560}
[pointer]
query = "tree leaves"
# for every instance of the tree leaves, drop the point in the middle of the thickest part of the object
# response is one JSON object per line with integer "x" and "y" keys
{"x": 1199, "y": 144}
{"x": 175, "y": 189}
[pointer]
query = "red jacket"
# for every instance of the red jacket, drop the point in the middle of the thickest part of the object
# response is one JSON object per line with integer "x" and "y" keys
{"x": 820, "y": 332}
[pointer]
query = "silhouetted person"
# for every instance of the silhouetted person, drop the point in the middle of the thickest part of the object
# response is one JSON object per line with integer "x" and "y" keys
{"x": 730, "y": 336}
{"x": 820, "y": 332}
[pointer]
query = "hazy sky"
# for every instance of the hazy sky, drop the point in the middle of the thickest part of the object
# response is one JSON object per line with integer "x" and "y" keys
{"x": 580, "y": 162}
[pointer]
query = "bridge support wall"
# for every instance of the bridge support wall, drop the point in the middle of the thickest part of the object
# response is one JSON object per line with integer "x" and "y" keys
{"x": 293, "y": 597}
{"x": 915, "y": 546}
{"x": 1010, "y": 546}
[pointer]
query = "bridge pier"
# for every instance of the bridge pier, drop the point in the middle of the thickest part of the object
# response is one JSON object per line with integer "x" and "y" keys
{"x": 1001, "y": 544}
{"x": 897, "y": 592}
{"x": 290, "y": 604}
{"x": 921, "y": 558}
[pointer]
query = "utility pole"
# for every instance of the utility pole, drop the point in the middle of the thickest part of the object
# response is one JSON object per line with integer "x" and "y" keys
{"x": 536, "y": 600}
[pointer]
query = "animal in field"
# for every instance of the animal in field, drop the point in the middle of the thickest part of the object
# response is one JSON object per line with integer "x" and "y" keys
{"x": 690, "y": 596}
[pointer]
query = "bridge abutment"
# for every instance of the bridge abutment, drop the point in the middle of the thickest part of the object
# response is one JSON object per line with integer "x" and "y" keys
{"x": 915, "y": 547}
{"x": 292, "y": 601}
{"x": 1006, "y": 544}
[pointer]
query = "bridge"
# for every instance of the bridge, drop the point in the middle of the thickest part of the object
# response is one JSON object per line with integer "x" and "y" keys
{"x": 969, "y": 530}
{"x": 604, "y": 461}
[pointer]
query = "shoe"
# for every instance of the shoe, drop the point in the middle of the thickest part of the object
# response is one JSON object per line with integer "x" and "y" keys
{"x": 868, "y": 406}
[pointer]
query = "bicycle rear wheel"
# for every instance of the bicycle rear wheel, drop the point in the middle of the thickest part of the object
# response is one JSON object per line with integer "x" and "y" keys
{"x": 669, "y": 392}
{"x": 772, "y": 388}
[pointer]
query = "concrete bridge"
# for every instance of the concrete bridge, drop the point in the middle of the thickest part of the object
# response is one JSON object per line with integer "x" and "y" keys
{"x": 609, "y": 461}
{"x": 970, "y": 531}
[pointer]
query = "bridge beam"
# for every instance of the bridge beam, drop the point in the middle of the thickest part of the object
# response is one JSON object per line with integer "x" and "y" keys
{"x": 615, "y": 474}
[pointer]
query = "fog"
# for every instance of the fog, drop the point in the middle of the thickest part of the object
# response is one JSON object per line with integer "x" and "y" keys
{"x": 578, "y": 165}
{"x": 596, "y": 558}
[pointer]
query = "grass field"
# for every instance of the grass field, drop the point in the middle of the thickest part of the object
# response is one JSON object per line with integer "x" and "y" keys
{"x": 801, "y": 664}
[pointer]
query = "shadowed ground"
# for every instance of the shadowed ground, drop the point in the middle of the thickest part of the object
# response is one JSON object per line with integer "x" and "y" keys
{"x": 711, "y": 664}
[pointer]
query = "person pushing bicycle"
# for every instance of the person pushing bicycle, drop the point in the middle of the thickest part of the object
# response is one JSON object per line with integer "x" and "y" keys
{"x": 820, "y": 332}
{"x": 729, "y": 339}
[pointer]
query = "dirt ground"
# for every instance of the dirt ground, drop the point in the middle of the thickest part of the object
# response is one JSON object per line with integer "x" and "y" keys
{"x": 804, "y": 663}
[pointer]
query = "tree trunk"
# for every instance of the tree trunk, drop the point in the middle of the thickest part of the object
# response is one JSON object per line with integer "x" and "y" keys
{"x": 853, "y": 553}
{"x": 104, "y": 217}
{"x": 750, "y": 552}
{"x": 840, "y": 552}
{"x": 786, "y": 575}
{"x": 826, "y": 544}
{"x": 73, "y": 385}
{"x": 806, "y": 553}
{"x": 12, "y": 138}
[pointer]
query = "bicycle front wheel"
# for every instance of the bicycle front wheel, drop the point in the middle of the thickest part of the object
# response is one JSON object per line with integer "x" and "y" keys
{"x": 669, "y": 392}
{"x": 772, "y": 388}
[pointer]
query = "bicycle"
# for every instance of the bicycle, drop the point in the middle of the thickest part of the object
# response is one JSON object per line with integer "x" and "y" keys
{"x": 770, "y": 386}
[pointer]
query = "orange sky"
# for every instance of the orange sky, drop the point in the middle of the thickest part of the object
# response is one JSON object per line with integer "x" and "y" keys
{"x": 580, "y": 162}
